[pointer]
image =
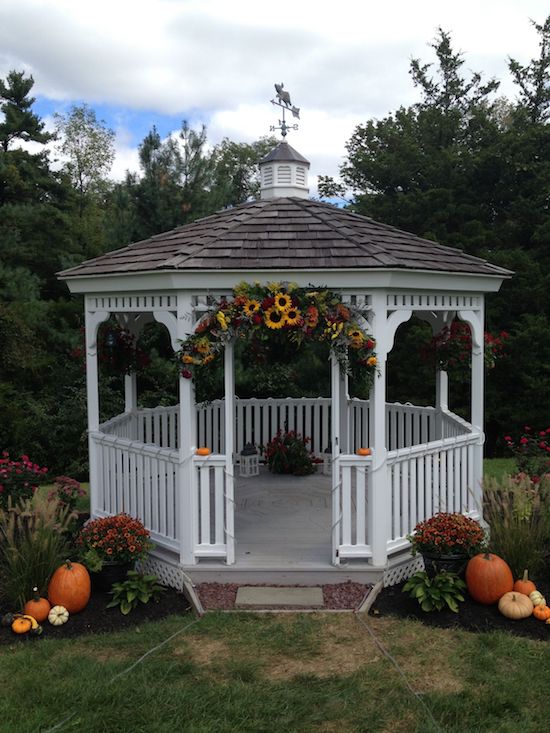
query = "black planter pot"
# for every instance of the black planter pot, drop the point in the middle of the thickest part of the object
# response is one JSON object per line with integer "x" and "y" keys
{"x": 110, "y": 573}
{"x": 435, "y": 564}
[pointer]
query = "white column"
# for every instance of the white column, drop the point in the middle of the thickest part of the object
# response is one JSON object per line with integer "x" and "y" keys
{"x": 130, "y": 392}
{"x": 441, "y": 401}
{"x": 229, "y": 381}
{"x": 188, "y": 519}
{"x": 343, "y": 387}
{"x": 379, "y": 496}
{"x": 335, "y": 386}
{"x": 92, "y": 321}
{"x": 476, "y": 321}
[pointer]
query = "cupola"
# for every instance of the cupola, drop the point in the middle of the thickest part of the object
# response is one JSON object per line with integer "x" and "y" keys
{"x": 283, "y": 172}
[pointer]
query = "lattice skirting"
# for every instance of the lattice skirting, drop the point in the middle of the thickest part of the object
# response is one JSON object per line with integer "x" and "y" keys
{"x": 168, "y": 574}
{"x": 403, "y": 571}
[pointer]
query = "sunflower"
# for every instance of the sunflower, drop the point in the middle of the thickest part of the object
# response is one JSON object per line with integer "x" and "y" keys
{"x": 208, "y": 358}
{"x": 202, "y": 346}
{"x": 293, "y": 317}
{"x": 372, "y": 361}
{"x": 274, "y": 318}
{"x": 187, "y": 359}
{"x": 283, "y": 302}
{"x": 251, "y": 306}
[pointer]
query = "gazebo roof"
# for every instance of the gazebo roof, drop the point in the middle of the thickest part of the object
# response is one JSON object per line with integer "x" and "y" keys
{"x": 284, "y": 234}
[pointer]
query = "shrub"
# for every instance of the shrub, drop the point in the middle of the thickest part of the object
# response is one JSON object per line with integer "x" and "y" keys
{"x": 33, "y": 543}
{"x": 517, "y": 509}
{"x": 134, "y": 590}
{"x": 531, "y": 451}
{"x": 19, "y": 479}
{"x": 433, "y": 594}
{"x": 67, "y": 491}
{"x": 447, "y": 533}
{"x": 288, "y": 453}
{"x": 120, "y": 538}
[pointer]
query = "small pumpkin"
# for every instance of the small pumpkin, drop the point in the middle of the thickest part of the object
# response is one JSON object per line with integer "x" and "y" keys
{"x": 21, "y": 625}
{"x": 525, "y": 585}
{"x": 203, "y": 451}
{"x": 515, "y": 605}
{"x": 541, "y": 612}
{"x": 70, "y": 586}
{"x": 58, "y": 615}
{"x": 488, "y": 578}
{"x": 364, "y": 451}
{"x": 37, "y": 607}
{"x": 537, "y": 598}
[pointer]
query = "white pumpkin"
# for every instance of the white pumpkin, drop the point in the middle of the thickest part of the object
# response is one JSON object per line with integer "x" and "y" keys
{"x": 58, "y": 615}
{"x": 537, "y": 599}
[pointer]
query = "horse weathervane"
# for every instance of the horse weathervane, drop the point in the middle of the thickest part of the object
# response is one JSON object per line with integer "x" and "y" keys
{"x": 282, "y": 99}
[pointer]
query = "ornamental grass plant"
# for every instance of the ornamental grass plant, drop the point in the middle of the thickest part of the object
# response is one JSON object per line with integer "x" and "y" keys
{"x": 34, "y": 541}
{"x": 517, "y": 509}
{"x": 447, "y": 533}
{"x": 118, "y": 539}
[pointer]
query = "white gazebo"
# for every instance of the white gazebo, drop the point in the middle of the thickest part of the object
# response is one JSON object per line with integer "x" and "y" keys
{"x": 423, "y": 460}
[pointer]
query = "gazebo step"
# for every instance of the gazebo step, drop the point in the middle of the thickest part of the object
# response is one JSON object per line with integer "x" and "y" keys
{"x": 306, "y": 576}
{"x": 283, "y": 597}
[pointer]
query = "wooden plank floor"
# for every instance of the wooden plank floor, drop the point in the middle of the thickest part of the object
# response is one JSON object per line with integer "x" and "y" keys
{"x": 283, "y": 520}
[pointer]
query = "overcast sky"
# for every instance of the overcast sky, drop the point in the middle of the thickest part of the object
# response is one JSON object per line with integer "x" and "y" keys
{"x": 145, "y": 62}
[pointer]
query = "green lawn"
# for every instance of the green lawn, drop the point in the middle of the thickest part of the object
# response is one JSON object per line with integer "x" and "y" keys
{"x": 243, "y": 673}
{"x": 497, "y": 467}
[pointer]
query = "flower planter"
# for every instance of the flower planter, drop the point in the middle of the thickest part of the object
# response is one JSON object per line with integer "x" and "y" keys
{"x": 435, "y": 564}
{"x": 111, "y": 572}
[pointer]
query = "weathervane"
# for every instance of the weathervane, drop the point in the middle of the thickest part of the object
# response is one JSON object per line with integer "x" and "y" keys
{"x": 282, "y": 100}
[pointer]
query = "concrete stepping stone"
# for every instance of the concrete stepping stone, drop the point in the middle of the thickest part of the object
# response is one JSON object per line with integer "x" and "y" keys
{"x": 278, "y": 597}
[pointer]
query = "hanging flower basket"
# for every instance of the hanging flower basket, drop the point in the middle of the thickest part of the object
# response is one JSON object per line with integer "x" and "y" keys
{"x": 451, "y": 348}
{"x": 261, "y": 312}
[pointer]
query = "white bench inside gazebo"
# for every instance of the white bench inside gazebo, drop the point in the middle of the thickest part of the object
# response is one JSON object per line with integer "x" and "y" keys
{"x": 423, "y": 459}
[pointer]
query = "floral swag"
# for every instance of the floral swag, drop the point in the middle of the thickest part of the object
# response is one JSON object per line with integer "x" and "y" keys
{"x": 302, "y": 314}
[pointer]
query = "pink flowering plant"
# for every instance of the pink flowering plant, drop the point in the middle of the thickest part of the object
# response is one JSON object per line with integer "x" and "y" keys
{"x": 67, "y": 491}
{"x": 19, "y": 479}
{"x": 287, "y": 452}
{"x": 117, "y": 539}
{"x": 447, "y": 533}
{"x": 531, "y": 452}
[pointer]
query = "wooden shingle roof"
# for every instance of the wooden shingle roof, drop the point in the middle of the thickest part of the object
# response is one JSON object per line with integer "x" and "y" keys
{"x": 284, "y": 234}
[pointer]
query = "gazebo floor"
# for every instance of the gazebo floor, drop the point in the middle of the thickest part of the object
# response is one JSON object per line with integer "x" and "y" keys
{"x": 283, "y": 535}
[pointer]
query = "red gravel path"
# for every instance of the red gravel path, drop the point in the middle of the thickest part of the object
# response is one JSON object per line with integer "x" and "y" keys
{"x": 221, "y": 596}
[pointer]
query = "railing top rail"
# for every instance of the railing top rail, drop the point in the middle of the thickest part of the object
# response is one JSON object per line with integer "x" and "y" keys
{"x": 135, "y": 446}
{"x": 116, "y": 420}
{"x": 432, "y": 447}
{"x": 351, "y": 459}
{"x": 214, "y": 459}
{"x": 453, "y": 418}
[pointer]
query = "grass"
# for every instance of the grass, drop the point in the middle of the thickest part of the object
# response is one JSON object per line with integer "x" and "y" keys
{"x": 498, "y": 467}
{"x": 243, "y": 673}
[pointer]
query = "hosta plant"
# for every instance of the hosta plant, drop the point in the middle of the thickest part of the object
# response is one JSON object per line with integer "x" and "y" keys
{"x": 434, "y": 594}
{"x": 134, "y": 590}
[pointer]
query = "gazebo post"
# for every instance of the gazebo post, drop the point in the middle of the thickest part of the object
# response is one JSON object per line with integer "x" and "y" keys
{"x": 229, "y": 406}
{"x": 335, "y": 392}
{"x": 441, "y": 401}
{"x": 92, "y": 321}
{"x": 476, "y": 323}
{"x": 380, "y": 496}
{"x": 188, "y": 530}
{"x": 343, "y": 388}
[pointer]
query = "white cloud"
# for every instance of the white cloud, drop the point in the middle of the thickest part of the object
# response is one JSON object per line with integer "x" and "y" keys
{"x": 217, "y": 61}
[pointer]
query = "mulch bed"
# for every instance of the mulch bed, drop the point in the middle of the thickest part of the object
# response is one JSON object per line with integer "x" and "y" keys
{"x": 472, "y": 616}
{"x": 97, "y": 619}
{"x": 336, "y": 596}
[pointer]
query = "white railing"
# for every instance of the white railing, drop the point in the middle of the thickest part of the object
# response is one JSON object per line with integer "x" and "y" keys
{"x": 158, "y": 426}
{"x": 430, "y": 478}
{"x": 257, "y": 421}
{"x": 351, "y": 507}
{"x": 121, "y": 426}
{"x": 141, "y": 480}
{"x": 211, "y": 510}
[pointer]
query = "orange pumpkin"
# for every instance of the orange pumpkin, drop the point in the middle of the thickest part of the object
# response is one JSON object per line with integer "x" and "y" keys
{"x": 70, "y": 586}
{"x": 541, "y": 612}
{"x": 21, "y": 625}
{"x": 525, "y": 585}
{"x": 488, "y": 578}
{"x": 363, "y": 451}
{"x": 37, "y": 607}
{"x": 203, "y": 451}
